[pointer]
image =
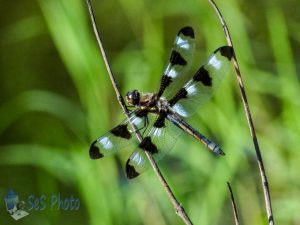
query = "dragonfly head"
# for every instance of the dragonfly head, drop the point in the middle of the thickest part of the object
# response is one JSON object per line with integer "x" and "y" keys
{"x": 133, "y": 97}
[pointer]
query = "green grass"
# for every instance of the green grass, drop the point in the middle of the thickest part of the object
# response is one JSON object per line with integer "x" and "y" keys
{"x": 57, "y": 98}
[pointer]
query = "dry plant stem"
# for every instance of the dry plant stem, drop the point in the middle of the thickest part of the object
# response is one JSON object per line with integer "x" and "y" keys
{"x": 236, "y": 218}
{"x": 264, "y": 180}
{"x": 179, "y": 209}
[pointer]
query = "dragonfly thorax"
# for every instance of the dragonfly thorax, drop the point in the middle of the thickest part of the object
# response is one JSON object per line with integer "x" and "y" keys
{"x": 148, "y": 101}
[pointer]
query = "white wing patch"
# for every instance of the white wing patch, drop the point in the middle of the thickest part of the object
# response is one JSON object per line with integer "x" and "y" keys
{"x": 157, "y": 132}
{"x": 180, "y": 110}
{"x": 137, "y": 158}
{"x": 216, "y": 63}
{"x": 173, "y": 73}
{"x": 192, "y": 90}
{"x": 182, "y": 43}
{"x": 107, "y": 144}
{"x": 137, "y": 121}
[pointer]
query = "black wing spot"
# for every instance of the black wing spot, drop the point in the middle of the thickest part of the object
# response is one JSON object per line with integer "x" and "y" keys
{"x": 164, "y": 83}
{"x": 226, "y": 51}
{"x": 141, "y": 113}
{"x": 121, "y": 131}
{"x": 177, "y": 59}
{"x": 148, "y": 146}
{"x": 95, "y": 151}
{"x": 182, "y": 93}
{"x": 166, "y": 80}
{"x": 187, "y": 31}
{"x": 203, "y": 76}
{"x": 160, "y": 122}
{"x": 130, "y": 171}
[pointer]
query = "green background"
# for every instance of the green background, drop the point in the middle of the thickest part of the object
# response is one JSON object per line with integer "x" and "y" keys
{"x": 56, "y": 97}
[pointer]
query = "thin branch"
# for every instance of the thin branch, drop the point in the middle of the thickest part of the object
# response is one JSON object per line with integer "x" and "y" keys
{"x": 263, "y": 175}
{"x": 178, "y": 207}
{"x": 235, "y": 215}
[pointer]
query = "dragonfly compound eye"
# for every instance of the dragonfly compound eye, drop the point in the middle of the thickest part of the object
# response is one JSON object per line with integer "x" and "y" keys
{"x": 133, "y": 97}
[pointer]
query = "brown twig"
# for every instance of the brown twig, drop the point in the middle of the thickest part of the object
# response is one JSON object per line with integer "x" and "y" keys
{"x": 235, "y": 215}
{"x": 178, "y": 207}
{"x": 263, "y": 175}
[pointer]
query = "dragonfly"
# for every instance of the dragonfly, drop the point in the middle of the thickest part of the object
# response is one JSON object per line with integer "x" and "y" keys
{"x": 160, "y": 116}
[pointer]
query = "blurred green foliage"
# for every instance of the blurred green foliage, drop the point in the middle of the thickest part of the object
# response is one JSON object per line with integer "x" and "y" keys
{"x": 56, "y": 97}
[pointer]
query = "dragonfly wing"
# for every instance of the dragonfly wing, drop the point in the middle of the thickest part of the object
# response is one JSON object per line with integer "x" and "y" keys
{"x": 160, "y": 139}
{"x": 118, "y": 138}
{"x": 203, "y": 84}
{"x": 180, "y": 61}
